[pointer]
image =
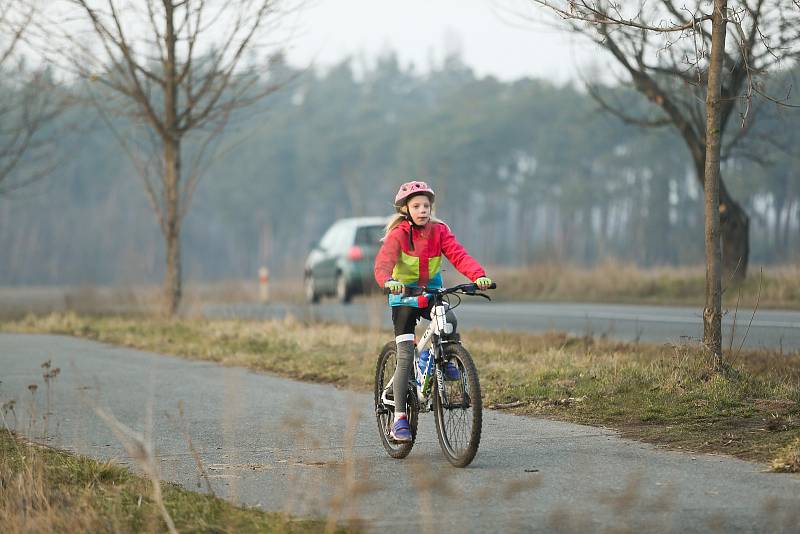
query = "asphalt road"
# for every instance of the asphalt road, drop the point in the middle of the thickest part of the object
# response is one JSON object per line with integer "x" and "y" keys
{"x": 773, "y": 329}
{"x": 312, "y": 449}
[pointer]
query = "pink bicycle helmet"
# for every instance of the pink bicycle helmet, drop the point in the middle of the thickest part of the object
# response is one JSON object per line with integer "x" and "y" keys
{"x": 409, "y": 189}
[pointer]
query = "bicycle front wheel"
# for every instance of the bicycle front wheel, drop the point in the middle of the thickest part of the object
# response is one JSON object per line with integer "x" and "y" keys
{"x": 458, "y": 408}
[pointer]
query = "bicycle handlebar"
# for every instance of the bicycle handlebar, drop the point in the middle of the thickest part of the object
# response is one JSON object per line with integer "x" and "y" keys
{"x": 467, "y": 289}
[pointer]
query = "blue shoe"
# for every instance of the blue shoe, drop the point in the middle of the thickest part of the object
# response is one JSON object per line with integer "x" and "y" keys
{"x": 451, "y": 371}
{"x": 401, "y": 430}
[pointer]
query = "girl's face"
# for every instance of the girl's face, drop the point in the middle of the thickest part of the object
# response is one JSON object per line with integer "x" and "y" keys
{"x": 419, "y": 208}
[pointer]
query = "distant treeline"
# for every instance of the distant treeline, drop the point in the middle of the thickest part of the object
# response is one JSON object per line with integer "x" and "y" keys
{"x": 525, "y": 171}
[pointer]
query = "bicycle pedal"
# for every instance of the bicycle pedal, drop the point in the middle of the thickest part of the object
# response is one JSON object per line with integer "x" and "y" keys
{"x": 393, "y": 441}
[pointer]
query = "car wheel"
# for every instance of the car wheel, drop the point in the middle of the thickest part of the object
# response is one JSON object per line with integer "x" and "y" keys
{"x": 312, "y": 297}
{"x": 343, "y": 293}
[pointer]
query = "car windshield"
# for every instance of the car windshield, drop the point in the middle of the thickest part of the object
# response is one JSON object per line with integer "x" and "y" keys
{"x": 369, "y": 235}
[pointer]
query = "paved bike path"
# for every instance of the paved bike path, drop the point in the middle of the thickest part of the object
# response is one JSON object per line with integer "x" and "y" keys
{"x": 312, "y": 449}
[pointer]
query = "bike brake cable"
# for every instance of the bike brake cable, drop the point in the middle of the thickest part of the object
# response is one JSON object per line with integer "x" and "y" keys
{"x": 451, "y": 306}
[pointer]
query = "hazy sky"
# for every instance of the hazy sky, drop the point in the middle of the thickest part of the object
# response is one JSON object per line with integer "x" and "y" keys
{"x": 491, "y": 40}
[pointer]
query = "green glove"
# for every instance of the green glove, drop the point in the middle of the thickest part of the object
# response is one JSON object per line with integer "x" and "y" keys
{"x": 394, "y": 287}
{"x": 483, "y": 282}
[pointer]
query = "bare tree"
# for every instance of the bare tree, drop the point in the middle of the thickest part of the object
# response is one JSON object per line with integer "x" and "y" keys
{"x": 697, "y": 80}
{"x": 672, "y": 72}
{"x": 28, "y": 102}
{"x": 176, "y": 68}
{"x": 712, "y": 314}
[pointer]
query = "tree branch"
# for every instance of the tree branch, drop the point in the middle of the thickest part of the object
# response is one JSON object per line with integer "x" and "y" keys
{"x": 594, "y": 13}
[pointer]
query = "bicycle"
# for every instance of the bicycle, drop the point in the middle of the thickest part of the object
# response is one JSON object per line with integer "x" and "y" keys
{"x": 456, "y": 404}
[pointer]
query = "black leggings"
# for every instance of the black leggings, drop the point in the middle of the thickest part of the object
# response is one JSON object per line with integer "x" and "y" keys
{"x": 405, "y": 318}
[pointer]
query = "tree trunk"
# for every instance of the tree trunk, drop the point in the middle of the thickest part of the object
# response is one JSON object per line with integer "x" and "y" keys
{"x": 734, "y": 226}
{"x": 783, "y": 244}
{"x": 173, "y": 286}
{"x": 777, "y": 200}
{"x": 523, "y": 229}
{"x": 712, "y": 314}
{"x": 735, "y": 232}
{"x": 173, "y": 289}
{"x": 172, "y": 170}
{"x": 602, "y": 231}
{"x": 657, "y": 221}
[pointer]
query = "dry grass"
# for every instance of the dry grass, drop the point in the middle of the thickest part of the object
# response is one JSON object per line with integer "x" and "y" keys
{"x": 45, "y": 490}
{"x": 613, "y": 281}
{"x": 331, "y": 353}
{"x": 788, "y": 458}
{"x": 16, "y": 302}
{"x": 665, "y": 394}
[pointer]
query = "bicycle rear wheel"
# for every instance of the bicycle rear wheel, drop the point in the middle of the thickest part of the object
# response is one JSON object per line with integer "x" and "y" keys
{"x": 384, "y": 413}
{"x": 458, "y": 408}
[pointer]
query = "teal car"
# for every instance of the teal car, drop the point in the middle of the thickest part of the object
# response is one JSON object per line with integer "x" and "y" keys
{"x": 341, "y": 264}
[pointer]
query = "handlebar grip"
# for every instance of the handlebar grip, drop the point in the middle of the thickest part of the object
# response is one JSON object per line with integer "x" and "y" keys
{"x": 492, "y": 286}
{"x": 403, "y": 294}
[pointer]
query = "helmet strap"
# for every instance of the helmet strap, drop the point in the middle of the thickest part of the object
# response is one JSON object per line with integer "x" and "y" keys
{"x": 411, "y": 224}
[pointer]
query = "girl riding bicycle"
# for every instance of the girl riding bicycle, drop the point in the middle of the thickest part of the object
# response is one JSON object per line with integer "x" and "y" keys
{"x": 411, "y": 255}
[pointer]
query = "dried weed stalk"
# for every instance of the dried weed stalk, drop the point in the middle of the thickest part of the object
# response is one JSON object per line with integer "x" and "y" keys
{"x": 342, "y": 504}
{"x": 141, "y": 451}
{"x": 195, "y": 454}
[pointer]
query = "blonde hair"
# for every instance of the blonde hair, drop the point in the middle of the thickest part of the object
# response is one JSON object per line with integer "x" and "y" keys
{"x": 394, "y": 220}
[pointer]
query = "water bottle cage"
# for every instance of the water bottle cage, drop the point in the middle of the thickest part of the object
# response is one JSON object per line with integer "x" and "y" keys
{"x": 424, "y": 375}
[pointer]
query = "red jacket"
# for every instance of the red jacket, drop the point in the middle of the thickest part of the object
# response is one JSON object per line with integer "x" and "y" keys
{"x": 419, "y": 263}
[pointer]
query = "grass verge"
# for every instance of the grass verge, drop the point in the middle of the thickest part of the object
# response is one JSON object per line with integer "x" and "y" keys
{"x": 606, "y": 282}
{"x": 614, "y": 281}
{"x": 788, "y": 458}
{"x": 46, "y": 490}
{"x": 663, "y": 394}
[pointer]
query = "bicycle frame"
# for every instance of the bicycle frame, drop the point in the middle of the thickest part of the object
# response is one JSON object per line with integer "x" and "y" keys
{"x": 432, "y": 335}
